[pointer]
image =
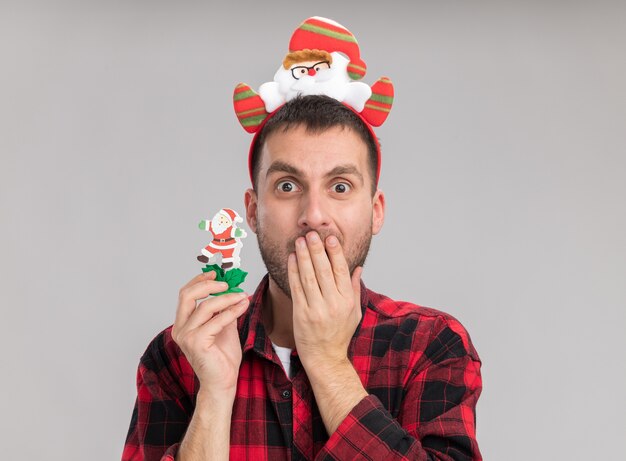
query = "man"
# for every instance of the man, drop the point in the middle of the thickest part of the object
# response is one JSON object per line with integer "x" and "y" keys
{"x": 313, "y": 365}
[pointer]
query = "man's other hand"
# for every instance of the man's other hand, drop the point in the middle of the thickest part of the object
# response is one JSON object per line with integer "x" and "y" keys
{"x": 206, "y": 331}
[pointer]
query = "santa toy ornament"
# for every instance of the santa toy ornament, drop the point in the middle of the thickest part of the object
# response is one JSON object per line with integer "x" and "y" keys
{"x": 323, "y": 59}
{"x": 227, "y": 242}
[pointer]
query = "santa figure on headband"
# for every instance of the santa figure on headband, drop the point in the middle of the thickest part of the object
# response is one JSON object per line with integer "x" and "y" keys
{"x": 313, "y": 72}
{"x": 323, "y": 59}
{"x": 226, "y": 238}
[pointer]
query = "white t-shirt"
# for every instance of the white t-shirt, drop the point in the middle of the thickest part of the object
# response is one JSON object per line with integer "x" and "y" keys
{"x": 284, "y": 354}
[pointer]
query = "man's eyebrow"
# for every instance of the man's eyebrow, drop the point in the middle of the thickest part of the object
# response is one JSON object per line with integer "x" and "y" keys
{"x": 345, "y": 169}
{"x": 284, "y": 167}
{"x": 280, "y": 166}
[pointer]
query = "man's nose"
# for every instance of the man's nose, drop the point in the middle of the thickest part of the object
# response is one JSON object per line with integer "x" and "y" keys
{"x": 314, "y": 213}
{"x": 312, "y": 72}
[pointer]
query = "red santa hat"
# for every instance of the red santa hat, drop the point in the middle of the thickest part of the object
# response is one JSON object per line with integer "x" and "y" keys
{"x": 232, "y": 215}
{"x": 319, "y": 33}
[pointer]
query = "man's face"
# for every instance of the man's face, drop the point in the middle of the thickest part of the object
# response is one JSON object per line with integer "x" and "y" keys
{"x": 317, "y": 182}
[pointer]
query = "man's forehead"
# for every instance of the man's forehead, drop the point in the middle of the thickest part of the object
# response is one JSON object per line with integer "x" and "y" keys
{"x": 298, "y": 150}
{"x": 289, "y": 130}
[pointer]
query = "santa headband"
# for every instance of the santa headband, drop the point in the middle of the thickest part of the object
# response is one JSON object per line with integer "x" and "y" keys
{"x": 324, "y": 59}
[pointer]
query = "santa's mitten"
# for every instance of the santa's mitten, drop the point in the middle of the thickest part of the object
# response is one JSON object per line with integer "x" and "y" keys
{"x": 203, "y": 225}
{"x": 249, "y": 107}
{"x": 379, "y": 104}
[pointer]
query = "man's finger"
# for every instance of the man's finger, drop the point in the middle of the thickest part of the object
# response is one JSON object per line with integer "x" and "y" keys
{"x": 223, "y": 319}
{"x": 297, "y": 292}
{"x": 321, "y": 264}
{"x": 189, "y": 294}
{"x": 203, "y": 276}
{"x": 206, "y": 309}
{"x": 340, "y": 267}
{"x": 308, "y": 278}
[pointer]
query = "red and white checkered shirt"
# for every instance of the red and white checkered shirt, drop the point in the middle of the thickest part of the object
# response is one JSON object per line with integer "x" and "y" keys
{"x": 417, "y": 364}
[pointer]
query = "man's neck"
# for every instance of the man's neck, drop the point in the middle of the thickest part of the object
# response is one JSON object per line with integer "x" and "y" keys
{"x": 278, "y": 316}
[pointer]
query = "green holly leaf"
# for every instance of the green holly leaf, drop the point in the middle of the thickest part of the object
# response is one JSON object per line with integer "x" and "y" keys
{"x": 219, "y": 272}
{"x": 234, "y": 277}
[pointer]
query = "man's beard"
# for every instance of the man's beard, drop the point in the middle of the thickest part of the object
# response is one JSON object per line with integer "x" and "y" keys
{"x": 275, "y": 254}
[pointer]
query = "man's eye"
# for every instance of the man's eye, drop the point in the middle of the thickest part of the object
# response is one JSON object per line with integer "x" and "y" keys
{"x": 341, "y": 187}
{"x": 286, "y": 186}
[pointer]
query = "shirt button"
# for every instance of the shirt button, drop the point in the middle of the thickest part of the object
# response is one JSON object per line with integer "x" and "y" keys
{"x": 286, "y": 394}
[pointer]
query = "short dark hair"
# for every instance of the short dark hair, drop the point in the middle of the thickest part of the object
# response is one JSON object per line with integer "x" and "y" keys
{"x": 316, "y": 113}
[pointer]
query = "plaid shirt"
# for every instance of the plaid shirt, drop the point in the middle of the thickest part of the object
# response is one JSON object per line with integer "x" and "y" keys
{"x": 417, "y": 364}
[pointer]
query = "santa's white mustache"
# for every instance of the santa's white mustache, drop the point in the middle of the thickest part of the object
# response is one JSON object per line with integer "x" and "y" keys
{"x": 304, "y": 82}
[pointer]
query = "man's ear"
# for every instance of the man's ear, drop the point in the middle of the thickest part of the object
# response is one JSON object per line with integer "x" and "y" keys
{"x": 250, "y": 200}
{"x": 378, "y": 211}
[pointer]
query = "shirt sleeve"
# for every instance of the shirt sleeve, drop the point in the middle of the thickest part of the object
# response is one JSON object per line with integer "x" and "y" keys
{"x": 436, "y": 420}
{"x": 161, "y": 413}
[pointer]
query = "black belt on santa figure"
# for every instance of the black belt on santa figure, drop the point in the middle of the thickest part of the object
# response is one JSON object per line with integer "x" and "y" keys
{"x": 224, "y": 240}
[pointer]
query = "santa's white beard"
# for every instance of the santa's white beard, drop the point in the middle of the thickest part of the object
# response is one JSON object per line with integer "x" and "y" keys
{"x": 333, "y": 82}
{"x": 217, "y": 226}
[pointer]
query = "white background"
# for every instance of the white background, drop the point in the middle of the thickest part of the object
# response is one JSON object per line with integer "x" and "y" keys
{"x": 503, "y": 167}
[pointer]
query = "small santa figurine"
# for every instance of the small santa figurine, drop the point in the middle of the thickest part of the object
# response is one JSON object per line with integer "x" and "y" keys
{"x": 226, "y": 238}
{"x": 323, "y": 59}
